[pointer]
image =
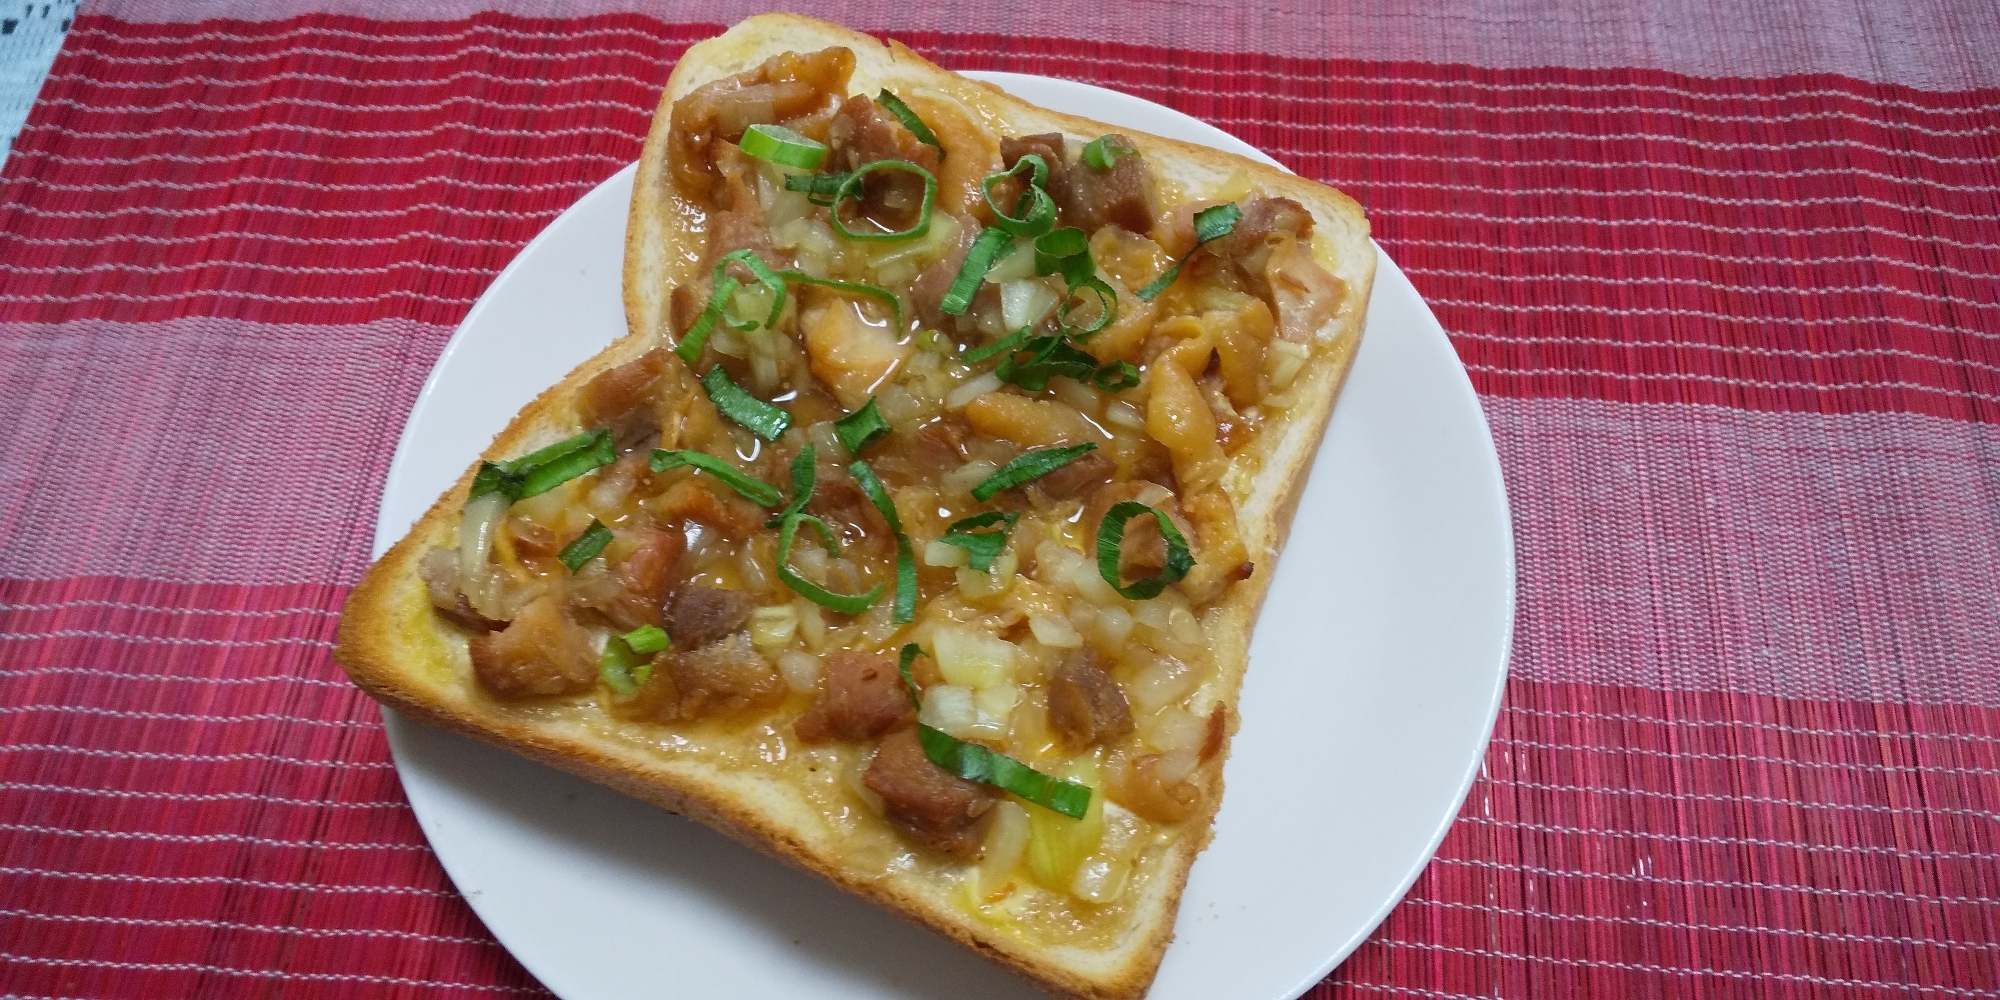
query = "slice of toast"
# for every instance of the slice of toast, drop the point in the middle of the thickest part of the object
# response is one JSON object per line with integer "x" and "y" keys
{"x": 1086, "y": 906}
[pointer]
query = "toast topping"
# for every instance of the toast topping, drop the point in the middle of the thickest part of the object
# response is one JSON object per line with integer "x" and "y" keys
{"x": 943, "y": 388}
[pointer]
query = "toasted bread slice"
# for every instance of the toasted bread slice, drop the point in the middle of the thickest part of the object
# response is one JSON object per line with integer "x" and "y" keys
{"x": 748, "y": 774}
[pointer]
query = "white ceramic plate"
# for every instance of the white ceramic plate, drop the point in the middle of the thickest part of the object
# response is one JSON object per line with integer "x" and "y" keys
{"x": 1374, "y": 680}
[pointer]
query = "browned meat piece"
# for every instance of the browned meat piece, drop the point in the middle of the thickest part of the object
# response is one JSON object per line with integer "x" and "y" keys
{"x": 623, "y": 398}
{"x": 861, "y": 696}
{"x": 697, "y": 498}
{"x": 1049, "y": 146}
{"x": 786, "y": 86}
{"x": 935, "y": 807}
{"x": 1124, "y": 195}
{"x": 737, "y": 223}
{"x": 840, "y": 502}
{"x": 700, "y": 615}
{"x": 723, "y": 678}
{"x": 1086, "y": 705}
{"x": 543, "y": 652}
{"x": 1077, "y": 477}
{"x": 862, "y": 133}
{"x": 1139, "y": 787}
{"x": 927, "y": 292}
{"x": 929, "y": 452}
{"x": 630, "y": 591}
{"x": 439, "y": 570}
{"x": 1266, "y": 224}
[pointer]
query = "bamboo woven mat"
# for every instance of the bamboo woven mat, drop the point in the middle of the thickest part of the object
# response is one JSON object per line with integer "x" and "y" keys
{"x": 1724, "y": 275}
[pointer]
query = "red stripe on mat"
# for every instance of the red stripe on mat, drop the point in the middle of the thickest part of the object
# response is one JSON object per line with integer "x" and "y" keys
{"x": 1807, "y": 243}
{"x": 226, "y": 815}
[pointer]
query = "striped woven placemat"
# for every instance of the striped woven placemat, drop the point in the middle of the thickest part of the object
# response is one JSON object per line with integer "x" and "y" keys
{"x": 1725, "y": 279}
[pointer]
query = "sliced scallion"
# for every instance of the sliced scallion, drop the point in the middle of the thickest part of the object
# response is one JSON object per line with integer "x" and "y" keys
{"x": 909, "y": 655}
{"x": 805, "y": 469}
{"x": 1102, "y": 152}
{"x": 782, "y": 146}
{"x": 1209, "y": 223}
{"x": 1107, "y": 307}
{"x": 754, "y": 490}
{"x": 763, "y": 419}
{"x": 1116, "y": 376}
{"x": 1037, "y": 211}
{"x": 586, "y": 546}
{"x": 622, "y": 668}
{"x": 854, "y": 288}
{"x": 723, "y": 293}
{"x": 1008, "y": 344}
{"x": 906, "y": 561}
{"x": 852, "y": 604}
{"x": 545, "y": 469}
{"x": 910, "y": 121}
{"x": 851, "y": 188}
{"x": 976, "y": 763}
{"x": 861, "y": 428}
{"x": 1047, "y": 357}
{"x": 1110, "y": 548}
{"x": 818, "y": 188}
{"x": 647, "y": 640}
{"x": 993, "y": 243}
{"x": 981, "y": 546}
{"x": 1029, "y": 465}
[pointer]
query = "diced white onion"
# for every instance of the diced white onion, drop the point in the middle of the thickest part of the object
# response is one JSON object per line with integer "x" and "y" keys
{"x": 476, "y": 530}
{"x": 1182, "y": 626}
{"x": 972, "y": 659}
{"x": 1111, "y": 628}
{"x": 1025, "y": 302}
{"x": 1089, "y": 583}
{"x": 1076, "y": 395}
{"x": 970, "y": 390}
{"x": 1153, "y": 614}
{"x": 1100, "y": 880}
{"x": 1178, "y": 764}
{"x": 1175, "y": 728}
{"x": 1125, "y": 415}
{"x": 960, "y": 481}
{"x": 811, "y": 625}
{"x": 949, "y": 708}
{"x": 1161, "y": 681}
{"x": 800, "y": 670}
{"x": 940, "y": 554}
{"x": 1284, "y": 362}
{"x": 1052, "y": 631}
{"x": 996, "y": 580}
{"x": 1006, "y": 839}
{"x": 995, "y": 706}
{"x": 774, "y": 626}
{"x": 1018, "y": 264}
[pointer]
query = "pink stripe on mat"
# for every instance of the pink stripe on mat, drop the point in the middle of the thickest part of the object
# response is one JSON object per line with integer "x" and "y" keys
{"x": 1932, "y": 49}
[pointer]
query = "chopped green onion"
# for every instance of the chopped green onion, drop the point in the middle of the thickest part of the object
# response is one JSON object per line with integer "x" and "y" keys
{"x": 910, "y": 120}
{"x": 1047, "y": 358}
{"x": 1008, "y": 344}
{"x": 1209, "y": 223}
{"x": 545, "y": 469}
{"x": 586, "y": 547}
{"x": 804, "y": 471}
{"x": 1029, "y": 465}
{"x": 861, "y": 428}
{"x": 725, "y": 286}
{"x": 909, "y": 655}
{"x": 1107, "y": 307}
{"x": 826, "y": 536}
{"x": 1110, "y": 548}
{"x": 906, "y": 561}
{"x": 1058, "y": 252}
{"x": 1038, "y": 210}
{"x": 764, "y": 420}
{"x": 647, "y": 640}
{"x": 852, "y": 604}
{"x": 1102, "y": 152}
{"x": 851, "y": 187}
{"x": 621, "y": 668}
{"x": 993, "y": 243}
{"x": 857, "y": 288}
{"x": 976, "y": 763}
{"x": 981, "y": 547}
{"x": 1116, "y": 376}
{"x": 818, "y": 188}
{"x": 782, "y": 146}
{"x": 756, "y": 491}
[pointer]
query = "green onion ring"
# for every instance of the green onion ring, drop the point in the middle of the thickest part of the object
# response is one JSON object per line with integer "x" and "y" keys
{"x": 647, "y": 640}
{"x": 763, "y": 419}
{"x": 1210, "y": 223}
{"x": 782, "y": 146}
{"x": 993, "y": 244}
{"x": 908, "y": 656}
{"x": 1110, "y": 549}
{"x": 852, "y": 604}
{"x": 977, "y": 763}
{"x": 854, "y": 287}
{"x": 906, "y": 561}
{"x": 754, "y": 490}
{"x": 861, "y": 428}
{"x": 1040, "y": 216}
{"x": 1117, "y": 376}
{"x": 1029, "y": 465}
{"x": 851, "y": 186}
{"x": 910, "y": 121}
{"x": 1107, "y": 302}
{"x": 1008, "y": 344}
{"x": 586, "y": 546}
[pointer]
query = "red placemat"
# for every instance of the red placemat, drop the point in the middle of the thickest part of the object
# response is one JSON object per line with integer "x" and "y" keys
{"x": 1729, "y": 296}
